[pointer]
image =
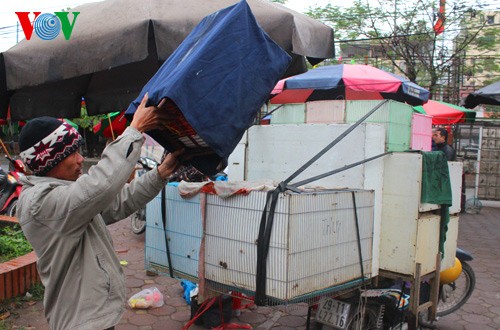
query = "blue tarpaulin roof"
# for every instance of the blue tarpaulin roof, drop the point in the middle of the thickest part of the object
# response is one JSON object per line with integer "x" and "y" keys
{"x": 218, "y": 78}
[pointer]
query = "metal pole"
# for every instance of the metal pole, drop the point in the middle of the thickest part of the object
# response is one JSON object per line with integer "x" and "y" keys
{"x": 476, "y": 188}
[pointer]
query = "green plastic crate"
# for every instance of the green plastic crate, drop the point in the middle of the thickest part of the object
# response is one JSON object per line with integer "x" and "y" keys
{"x": 395, "y": 116}
{"x": 294, "y": 113}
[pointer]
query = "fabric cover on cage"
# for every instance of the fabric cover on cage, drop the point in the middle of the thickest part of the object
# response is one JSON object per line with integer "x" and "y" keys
{"x": 215, "y": 83}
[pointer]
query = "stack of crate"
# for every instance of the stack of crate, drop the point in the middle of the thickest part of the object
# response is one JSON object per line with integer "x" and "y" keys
{"x": 410, "y": 229}
{"x": 405, "y": 129}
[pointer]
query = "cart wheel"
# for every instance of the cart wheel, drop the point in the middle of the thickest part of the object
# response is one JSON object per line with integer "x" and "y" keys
{"x": 473, "y": 206}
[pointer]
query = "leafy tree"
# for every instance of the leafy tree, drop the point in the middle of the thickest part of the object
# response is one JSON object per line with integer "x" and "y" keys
{"x": 279, "y": 1}
{"x": 403, "y": 32}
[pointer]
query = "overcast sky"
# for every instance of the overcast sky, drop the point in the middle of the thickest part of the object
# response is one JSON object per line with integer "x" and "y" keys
{"x": 8, "y": 18}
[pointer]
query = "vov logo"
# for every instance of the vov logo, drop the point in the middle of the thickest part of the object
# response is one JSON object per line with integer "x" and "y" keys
{"x": 47, "y": 26}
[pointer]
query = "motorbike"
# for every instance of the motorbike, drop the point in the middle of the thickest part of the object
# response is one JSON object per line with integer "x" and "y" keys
{"x": 384, "y": 307}
{"x": 10, "y": 187}
{"x": 138, "y": 218}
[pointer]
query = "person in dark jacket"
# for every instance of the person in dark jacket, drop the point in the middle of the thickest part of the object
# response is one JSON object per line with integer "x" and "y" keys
{"x": 63, "y": 214}
{"x": 440, "y": 138}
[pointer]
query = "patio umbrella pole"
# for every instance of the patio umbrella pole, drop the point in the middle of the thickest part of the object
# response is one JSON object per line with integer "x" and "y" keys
{"x": 111, "y": 128}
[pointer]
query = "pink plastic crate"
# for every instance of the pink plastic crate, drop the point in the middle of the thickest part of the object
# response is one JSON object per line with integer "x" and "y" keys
{"x": 421, "y": 132}
{"x": 325, "y": 112}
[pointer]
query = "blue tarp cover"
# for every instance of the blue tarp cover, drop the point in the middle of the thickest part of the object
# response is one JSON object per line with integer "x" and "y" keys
{"x": 218, "y": 78}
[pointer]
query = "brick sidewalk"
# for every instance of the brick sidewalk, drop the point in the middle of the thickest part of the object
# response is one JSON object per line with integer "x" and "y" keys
{"x": 479, "y": 234}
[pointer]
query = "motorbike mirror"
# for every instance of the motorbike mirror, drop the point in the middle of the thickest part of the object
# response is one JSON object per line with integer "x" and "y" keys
{"x": 19, "y": 166}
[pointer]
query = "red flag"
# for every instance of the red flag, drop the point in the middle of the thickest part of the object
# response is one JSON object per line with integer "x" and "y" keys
{"x": 439, "y": 26}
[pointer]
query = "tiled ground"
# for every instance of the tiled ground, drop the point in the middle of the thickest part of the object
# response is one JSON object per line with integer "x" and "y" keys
{"x": 479, "y": 234}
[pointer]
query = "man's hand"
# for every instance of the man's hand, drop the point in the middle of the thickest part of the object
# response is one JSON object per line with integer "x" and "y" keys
{"x": 170, "y": 164}
{"x": 149, "y": 118}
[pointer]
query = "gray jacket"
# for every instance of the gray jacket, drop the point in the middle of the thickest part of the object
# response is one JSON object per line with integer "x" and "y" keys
{"x": 65, "y": 222}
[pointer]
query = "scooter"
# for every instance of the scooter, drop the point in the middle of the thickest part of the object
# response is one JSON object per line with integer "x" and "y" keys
{"x": 385, "y": 308}
{"x": 138, "y": 219}
{"x": 10, "y": 187}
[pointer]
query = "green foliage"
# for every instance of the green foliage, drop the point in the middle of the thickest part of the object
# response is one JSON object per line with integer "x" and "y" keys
{"x": 85, "y": 121}
{"x": 279, "y": 1}
{"x": 37, "y": 291}
{"x": 13, "y": 243}
{"x": 10, "y": 306}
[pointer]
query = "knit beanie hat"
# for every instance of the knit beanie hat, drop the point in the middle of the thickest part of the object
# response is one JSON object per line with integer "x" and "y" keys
{"x": 45, "y": 142}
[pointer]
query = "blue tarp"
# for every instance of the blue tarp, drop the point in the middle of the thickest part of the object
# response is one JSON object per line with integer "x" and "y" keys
{"x": 218, "y": 78}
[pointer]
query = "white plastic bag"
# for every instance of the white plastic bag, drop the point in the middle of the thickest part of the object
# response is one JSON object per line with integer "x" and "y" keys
{"x": 147, "y": 298}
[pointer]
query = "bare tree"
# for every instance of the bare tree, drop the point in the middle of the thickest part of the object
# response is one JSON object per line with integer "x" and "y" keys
{"x": 407, "y": 34}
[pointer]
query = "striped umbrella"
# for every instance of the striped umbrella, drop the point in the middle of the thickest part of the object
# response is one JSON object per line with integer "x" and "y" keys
{"x": 445, "y": 113}
{"x": 347, "y": 82}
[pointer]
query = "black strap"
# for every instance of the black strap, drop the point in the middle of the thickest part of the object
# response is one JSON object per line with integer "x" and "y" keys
{"x": 164, "y": 219}
{"x": 334, "y": 142}
{"x": 358, "y": 235}
{"x": 267, "y": 219}
{"x": 346, "y": 167}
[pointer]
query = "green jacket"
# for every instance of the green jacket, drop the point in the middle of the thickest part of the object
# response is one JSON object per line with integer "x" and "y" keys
{"x": 65, "y": 222}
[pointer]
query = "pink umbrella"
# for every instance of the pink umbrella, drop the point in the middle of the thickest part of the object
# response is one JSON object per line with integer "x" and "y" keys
{"x": 347, "y": 82}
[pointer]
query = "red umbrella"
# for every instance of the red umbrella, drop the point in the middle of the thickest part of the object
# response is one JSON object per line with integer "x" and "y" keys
{"x": 347, "y": 82}
{"x": 113, "y": 125}
{"x": 445, "y": 113}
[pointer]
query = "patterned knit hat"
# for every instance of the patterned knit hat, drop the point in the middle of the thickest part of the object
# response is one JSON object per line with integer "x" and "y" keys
{"x": 45, "y": 142}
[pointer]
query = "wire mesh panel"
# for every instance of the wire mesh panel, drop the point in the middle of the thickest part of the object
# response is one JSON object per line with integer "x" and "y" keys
{"x": 313, "y": 247}
{"x": 184, "y": 232}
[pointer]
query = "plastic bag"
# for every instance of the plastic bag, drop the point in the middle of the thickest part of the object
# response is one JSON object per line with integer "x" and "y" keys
{"x": 147, "y": 298}
{"x": 190, "y": 290}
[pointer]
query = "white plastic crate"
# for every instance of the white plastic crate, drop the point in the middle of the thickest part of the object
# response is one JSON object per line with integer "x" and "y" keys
{"x": 450, "y": 245}
{"x": 264, "y": 160}
{"x": 313, "y": 245}
{"x": 408, "y": 235}
{"x": 406, "y": 241}
{"x": 184, "y": 231}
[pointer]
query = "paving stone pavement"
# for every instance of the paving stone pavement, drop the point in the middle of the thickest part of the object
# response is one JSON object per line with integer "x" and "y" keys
{"x": 479, "y": 234}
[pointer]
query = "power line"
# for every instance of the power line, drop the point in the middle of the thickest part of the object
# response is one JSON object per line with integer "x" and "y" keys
{"x": 414, "y": 34}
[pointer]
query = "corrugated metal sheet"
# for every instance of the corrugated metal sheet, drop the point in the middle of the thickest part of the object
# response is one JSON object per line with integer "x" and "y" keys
{"x": 313, "y": 242}
{"x": 289, "y": 113}
{"x": 326, "y": 112}
{"x": 421, "y": 132}
{"x": 396, "y": 116}
{"x": 184, "y": 231}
